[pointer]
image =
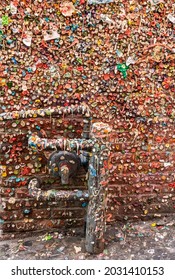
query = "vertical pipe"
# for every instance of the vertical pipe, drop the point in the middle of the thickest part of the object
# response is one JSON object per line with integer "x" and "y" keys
{"x": 97, "y": 187}
{"x": 86, "y": 128}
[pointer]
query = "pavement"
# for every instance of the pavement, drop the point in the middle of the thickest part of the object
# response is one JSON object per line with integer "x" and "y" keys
{"x": 142, "y": 240}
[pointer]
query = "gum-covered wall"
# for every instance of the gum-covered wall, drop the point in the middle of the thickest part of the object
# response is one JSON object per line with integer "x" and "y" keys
{"x": 117, "y": 57}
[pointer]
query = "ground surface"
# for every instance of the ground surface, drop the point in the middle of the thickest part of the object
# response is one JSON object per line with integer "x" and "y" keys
{"x": 150, "y": 240}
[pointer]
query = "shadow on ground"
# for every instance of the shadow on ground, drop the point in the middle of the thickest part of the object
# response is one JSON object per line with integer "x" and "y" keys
{"x": 137, "y": 241}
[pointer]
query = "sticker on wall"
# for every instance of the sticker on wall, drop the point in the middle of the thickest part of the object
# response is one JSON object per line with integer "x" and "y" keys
{"x": 171, "y": 18}
{"x": 100, "y": 1}
{"x": 107, "y": 19}
{"x": 130, "y": 60}
{"x": 27, "y": 38}
{"x": 50, "y": 35}
{"x": 67, "y": 9}
{"x": 156, "y": 2}
{"x": 13, "y": 8}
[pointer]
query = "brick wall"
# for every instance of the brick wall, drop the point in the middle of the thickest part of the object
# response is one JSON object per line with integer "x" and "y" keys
{"x": 123, "y": 70}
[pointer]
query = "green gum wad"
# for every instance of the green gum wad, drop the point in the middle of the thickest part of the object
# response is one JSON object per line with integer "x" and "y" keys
{"x": 122, "y": 67}
{"x": 5, "y": 20}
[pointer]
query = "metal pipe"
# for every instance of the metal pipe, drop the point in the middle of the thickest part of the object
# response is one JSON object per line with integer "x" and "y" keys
{"x": 46, "y": 112}
{"x": 64, "y": 174}
{"x": 39, "y": 144}
{"x": 34, "y": 187}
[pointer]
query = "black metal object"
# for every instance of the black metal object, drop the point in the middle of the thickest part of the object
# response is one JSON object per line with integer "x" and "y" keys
{"x": 64, "y": 164}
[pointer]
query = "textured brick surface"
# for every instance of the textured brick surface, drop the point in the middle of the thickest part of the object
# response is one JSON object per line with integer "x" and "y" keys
{"x": 137, "y": 102}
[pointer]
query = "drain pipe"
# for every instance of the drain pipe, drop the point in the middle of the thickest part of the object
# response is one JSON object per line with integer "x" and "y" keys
{"x": 36, "y": 191}
{"x": 97, "y": 188}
